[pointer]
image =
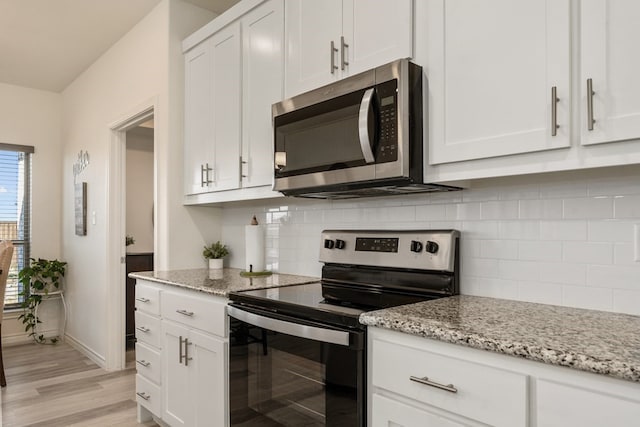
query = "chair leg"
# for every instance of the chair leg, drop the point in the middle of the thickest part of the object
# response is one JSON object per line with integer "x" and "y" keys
{"x": 3, "y": 380}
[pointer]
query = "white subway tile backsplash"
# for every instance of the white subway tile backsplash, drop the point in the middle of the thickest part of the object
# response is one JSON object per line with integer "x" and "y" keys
{"x": 499, "y": 210}
{"x": 587, "y": 252}
{"x": 565, "y": 242}
{"x": 618, "y": 277}
{"x": 543, "y": 293}
{"x": 626, "y": 301}
{"x": 560, "y": 272}
{"x": 518, "y": 270}
{"x": 588, "y": 207}
{"x": 584, "y": 297}
{"x": 563, "y": 230}
{"x": 540, "y": 250}
{"x": 627, "y": 207}
{"x": 498, "y": 249}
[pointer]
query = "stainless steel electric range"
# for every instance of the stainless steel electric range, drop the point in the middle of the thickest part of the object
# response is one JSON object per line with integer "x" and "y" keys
{"x": 298, "y": 353}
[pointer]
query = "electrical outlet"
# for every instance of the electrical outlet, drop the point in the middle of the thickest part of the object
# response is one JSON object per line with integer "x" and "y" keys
{"x": 636, "y": 242}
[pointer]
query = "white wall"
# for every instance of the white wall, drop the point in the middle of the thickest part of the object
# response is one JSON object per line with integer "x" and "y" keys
{"x": 140, "y": 174}
{"x": 136, "y": 70}
{"x": 563, "y": 239}
{"x": 32, "y": 117}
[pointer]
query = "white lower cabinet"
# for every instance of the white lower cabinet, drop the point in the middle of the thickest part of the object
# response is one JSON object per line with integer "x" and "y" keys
{"x": 417, "y": 382}
{"x": 181, "y": 356}
{"x": 193, "y": 372}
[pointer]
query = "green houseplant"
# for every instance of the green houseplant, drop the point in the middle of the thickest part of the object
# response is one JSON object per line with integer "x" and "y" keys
{"x": 214, "y": 253}
{"x": 41, "y": 277}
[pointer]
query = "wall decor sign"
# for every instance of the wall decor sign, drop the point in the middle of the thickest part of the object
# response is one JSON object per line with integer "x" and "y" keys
{"x": 81, "y": 208}
{"x": 80, "y": 164}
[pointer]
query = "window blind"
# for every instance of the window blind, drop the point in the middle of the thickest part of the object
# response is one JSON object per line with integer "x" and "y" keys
{"x": 15, "y": 212}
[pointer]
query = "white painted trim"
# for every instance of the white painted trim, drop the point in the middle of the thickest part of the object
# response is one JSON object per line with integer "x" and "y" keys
{"x": 95, "y": 357}
{"x": 221, "y": 21}
{"x": 116, "y": 252}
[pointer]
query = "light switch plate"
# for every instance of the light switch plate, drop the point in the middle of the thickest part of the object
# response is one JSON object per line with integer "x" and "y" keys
{"x": 636, "y": 242}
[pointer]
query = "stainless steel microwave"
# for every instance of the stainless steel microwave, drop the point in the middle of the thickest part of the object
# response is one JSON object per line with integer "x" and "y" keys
{"x": 360, "y": 136}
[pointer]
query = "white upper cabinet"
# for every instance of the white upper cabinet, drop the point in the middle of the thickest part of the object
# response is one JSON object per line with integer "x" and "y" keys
{"x": 499, "y": 77}
{"x": 198, "y": 153}
{"x": 262, "y": 81}
{"x": 331, "y": 39}
{"x": 610, "y": 65}
{"x": 226, "y": 80}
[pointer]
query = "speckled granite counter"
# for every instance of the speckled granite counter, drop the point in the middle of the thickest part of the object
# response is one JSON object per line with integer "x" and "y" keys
{"x": 588, "y": 340}
{"x": 220, "y": 283}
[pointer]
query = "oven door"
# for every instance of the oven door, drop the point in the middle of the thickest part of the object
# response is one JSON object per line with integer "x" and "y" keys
{"x": 289, "y": 372}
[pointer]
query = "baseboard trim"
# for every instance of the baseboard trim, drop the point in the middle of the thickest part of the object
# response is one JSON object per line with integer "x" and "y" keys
{"x": 82, "y": 348}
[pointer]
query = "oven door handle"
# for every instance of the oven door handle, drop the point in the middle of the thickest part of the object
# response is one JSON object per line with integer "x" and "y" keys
{"x": 290, "y": 328}
{"x": 363, "y": 125}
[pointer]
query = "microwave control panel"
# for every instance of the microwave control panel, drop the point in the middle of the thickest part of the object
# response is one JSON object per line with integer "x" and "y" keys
{"x": 387, "y": 150}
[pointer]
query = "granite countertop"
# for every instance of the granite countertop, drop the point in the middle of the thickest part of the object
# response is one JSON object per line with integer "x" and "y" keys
{"x": 594, "y": 341}
{"x": 220, "y": 282}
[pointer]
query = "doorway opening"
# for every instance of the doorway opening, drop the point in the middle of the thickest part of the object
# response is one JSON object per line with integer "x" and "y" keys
{"x": 132, "y": 166}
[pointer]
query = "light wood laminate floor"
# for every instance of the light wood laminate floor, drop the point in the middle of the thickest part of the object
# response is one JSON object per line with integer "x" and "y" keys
{"x": 55, "y": 385}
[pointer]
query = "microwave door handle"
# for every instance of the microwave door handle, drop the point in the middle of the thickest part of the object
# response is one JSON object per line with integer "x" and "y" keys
{"x": 363, "y": 126}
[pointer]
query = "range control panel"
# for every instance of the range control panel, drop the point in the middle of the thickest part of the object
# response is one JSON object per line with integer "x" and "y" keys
{"x": 415, "y": 249}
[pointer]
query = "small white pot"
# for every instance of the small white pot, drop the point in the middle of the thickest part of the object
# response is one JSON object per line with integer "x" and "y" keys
{"x": 215, "y": 264}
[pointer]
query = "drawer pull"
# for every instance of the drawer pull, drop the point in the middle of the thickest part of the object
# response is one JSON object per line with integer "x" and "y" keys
{"x": 143, "y": 329}
{"x": 185, "y": 312}
{"x": 144, "y": 395}
{"x": 144, "y": 363}
{"x": 141, "y": 299}
{"x": 426, "y": 381}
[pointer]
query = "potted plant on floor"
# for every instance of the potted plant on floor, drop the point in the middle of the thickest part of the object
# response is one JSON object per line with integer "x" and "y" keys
{"x": 39, "y": 279}
{"x": 215, "y": 253}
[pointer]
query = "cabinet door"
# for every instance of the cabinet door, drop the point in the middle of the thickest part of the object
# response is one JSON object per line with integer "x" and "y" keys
{"x": 178, "y": 402}
{"x": 262, "y": 37}
{"x": 491, "y": 67}
{"x": 377, "y": 32}
{"x": 564, "y": 405}
{"x": 207, "y": 380}
{"x": 198, "y": 113}
{"x": 386, "y": 413}
{"x": 609, "y": 57}
{"x": 227, "y": 72}
{"x": 311, "y": 26}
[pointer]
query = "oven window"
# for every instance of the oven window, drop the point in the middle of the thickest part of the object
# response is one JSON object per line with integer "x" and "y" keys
{"x": 281, "y": 380}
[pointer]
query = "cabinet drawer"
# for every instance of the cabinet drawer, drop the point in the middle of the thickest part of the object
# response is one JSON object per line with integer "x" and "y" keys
{"x": 147, "y": 298}
{"x": 148, "y": 362}
{"x": 148, "y": 329}
{"x": 486, "y": 394}
{"x": 197, "y": 311}
{"x": 149, "y": 395}
{"x": 386, "y": 412}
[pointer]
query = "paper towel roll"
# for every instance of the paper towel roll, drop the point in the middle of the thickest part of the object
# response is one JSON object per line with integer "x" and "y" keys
{"x": 254, "y": 248}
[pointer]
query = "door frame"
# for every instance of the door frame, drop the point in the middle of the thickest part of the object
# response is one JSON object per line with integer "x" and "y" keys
{"x": 116, "y": 229}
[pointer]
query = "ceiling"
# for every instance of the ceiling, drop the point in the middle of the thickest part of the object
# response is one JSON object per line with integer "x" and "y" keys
{"x": 46, "y": 44}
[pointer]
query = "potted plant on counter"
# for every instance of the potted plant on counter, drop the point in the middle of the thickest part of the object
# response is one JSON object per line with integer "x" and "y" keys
{"x": 215, "y": 253}
{"x": 41, "y": 278}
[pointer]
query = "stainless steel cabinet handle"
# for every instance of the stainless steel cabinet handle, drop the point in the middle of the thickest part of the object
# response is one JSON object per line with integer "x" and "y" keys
{"x": 186, "y": 352}
{"x": 590, "y": 120}
{"x": 343, "y": 48}
{"x": 425, "y": 380}
{"x": 143, "y": 329}
{"x": 207, "y": 170}
{"x": 363, "y": 126}
{"x": 143, "y": 395}
{"x": 185, "y": 312}
{"x": 334, "y": 67}
{"x": 143, "y": 299}
{"x": 143, "y": 363}
{"x": 180, "y": 356}
{"x": 242, "y": 162}
{"x": 554, "y": 111}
